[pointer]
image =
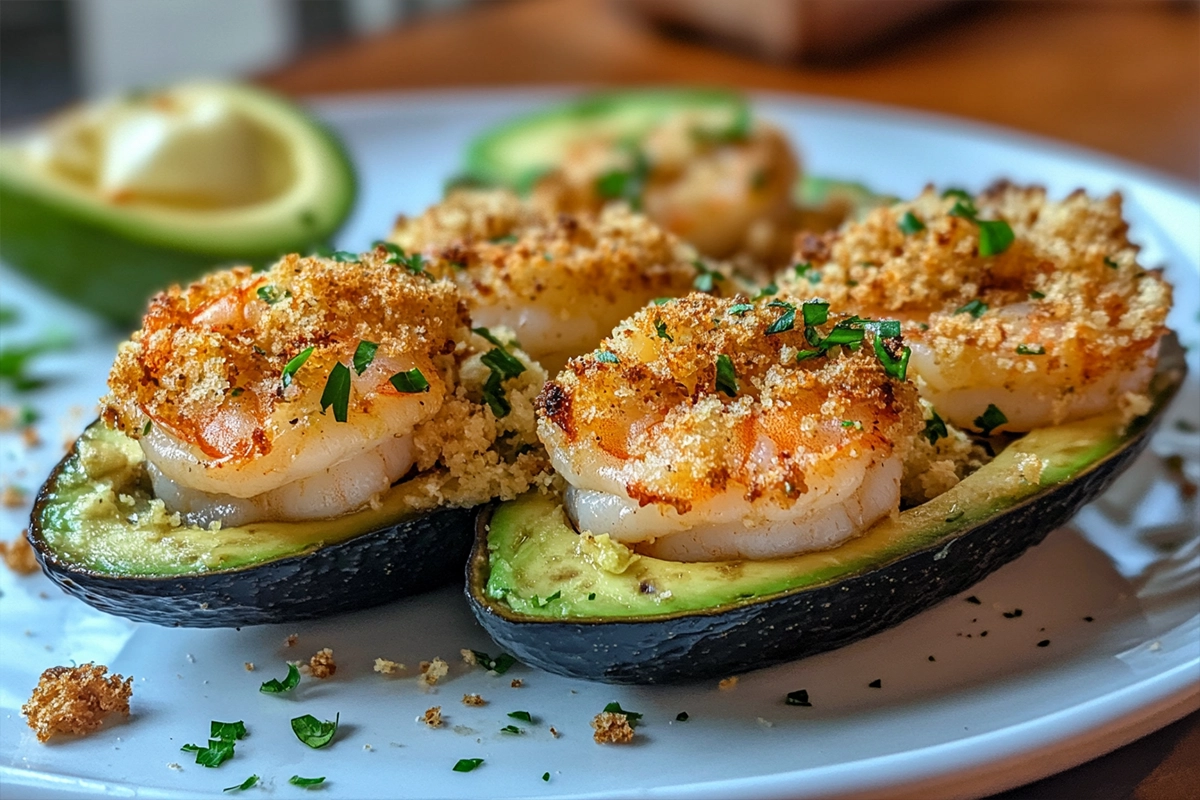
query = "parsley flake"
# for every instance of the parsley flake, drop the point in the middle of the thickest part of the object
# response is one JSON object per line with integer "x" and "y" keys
{"x": 815, "y": 313}
{"x": 546, "y": 776}
{"x": 364, "y": 354}
{"x": 607, "y": 357}
{"x": 410, "y": 382}
{"x": 271, "y": 294}
{"x": 798, "y": 698}
{"x": 1031, "y": 350}
{"x": 345, "y": 257}
{"x": 726, "y": 376}
{"x": 631, "y": 717}
{"x": 740, "y": 309}
{"x": 895, "y": 366}
{"x": 682, "y": 716}
{"x": 467, "y": 764}
{"x": 705, "y": 277}
{"x": 513, "y": 729}
{"x": 337, "y": 392}
{"x": 935, "y": 428}
{"x": 313, "y": 732}
{"x": 786, "y": 320}
{"x": 990, "y": 419}
{"x": 227, "y": 731}
{"x": 292, "y": 366}
{"x": 521, "y": 715}
{"x": 626, "y": 184}
{"x": 499, "y": 665}
{"x": 910, "y": 223}
{"x": 296, "y": 780}
{"x": 1036, "y": 295}
{"x": 976, "y": 308}
{"x": 770, "y": 290}
{"x": 1108, "y": 262}
{"x": 961, "y": 194}
{"x": 276, "y": 686}
{"x": 217, "y": 753}
{"x": 995, "y": 236}
{"x": 660, "y": 328}
{"x": 243, "y": 786}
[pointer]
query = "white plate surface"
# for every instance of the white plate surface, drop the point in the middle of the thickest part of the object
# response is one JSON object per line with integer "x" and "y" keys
{"x": 987, "y": 712}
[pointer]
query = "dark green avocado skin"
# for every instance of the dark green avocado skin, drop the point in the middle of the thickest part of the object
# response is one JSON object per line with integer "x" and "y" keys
{"x": 729, "y": 640}
{"x": 408, "y": 557}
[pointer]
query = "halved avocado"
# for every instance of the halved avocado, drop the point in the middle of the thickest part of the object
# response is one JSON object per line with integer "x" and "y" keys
{"x": 109, "y": 254}
{"x": 517, "y": 152}
{"x": 593, "y": 609}
{"x": 100, "y": 536}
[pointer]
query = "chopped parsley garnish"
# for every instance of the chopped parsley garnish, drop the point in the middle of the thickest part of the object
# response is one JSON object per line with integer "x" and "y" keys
{"x": 995, "y": 236}
{"x": 521, "y": 715}
{"x": 804, "y": 355}
{"x": 976, "y": 308}
{"x": 739, "y": 309}
{"x": 662, "y": 301}
{"x": 1036, "y": 295}
{"x": 410, "y": 382}
{"x": 276, "y": 686}
{"x": 243, "y": 786}
{"x": 236, "y": 391}
{"x": 147, "y": 427}
{"x": 313, "y": 732}
{"x": 503, "y": 366}
{"x": 217, "y": 753}
{"x": 546, "y": 776}
{"x": 540, "y": 603}
{"x": 337, "y": 392}
{"x": 895, "y": 367}
{"x": 815, "y": 313}
{"x": 876, "y": 684}
{"x": 291, "y": 367}
{"x": 1044, "y": 643}
{"x": 15, "y": 361}
{"x": 631, "y": 717}
{"x": 467, "y": 764}
{"x": 364, "y": 354}
{"x": 1108, "y": 262}
{"x": 660, "y": 328}
{"x": 607, "y": 357}
{"x": 705, "y": 277}
{"x": 935, "y": 428}
{"x": 852, "y": 423}
{"x": 963, "y": 208}
{"x": 228, "y": 731}
{"x": 990, "y": 419}
{"x": 973, "y": 600}
{"x": 491, "y": 337}
{"x": 296, "y": 780}
{"x": 499, "y": 665}
{"x": 1031, "y": 350}
{"x": 271, "y": 295}
{"x": 511, "y": 729}
{"x": 910, "y": 223}
{"x": 682, "y": 716}
{"x": 344, "y": 257}
{"x": 770, "y": 290}
{"x": 726, "y": 376}
{"x": 961, "y": 194}
{"x": 786, "y": 320}
{"x": 591, "y": 595}
{"x": 626, "y": 184}
{"x": 798, "y": 698}
{"x": 414, "y": 263}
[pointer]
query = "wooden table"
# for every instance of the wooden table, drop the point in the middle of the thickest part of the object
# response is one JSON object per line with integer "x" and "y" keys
{"x": 1123, "y": 78}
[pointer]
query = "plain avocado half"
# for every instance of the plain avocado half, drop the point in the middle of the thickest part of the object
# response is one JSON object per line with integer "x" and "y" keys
{"x": 110, "y": 255}
{"x": 590, "y": 608}
{"x": 99, "y": 535}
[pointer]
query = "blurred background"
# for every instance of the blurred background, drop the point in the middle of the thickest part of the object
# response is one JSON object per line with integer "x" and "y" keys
{"x": 1117, "y": 75}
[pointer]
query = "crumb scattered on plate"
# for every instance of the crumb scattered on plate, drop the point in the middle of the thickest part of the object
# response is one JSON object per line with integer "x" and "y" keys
{"x": 517, "y": 683}
{"x": 322, "y": 665}
{"x": 611, "y": 728}
{"x": 76, "y": 700}
{"x": 433, "y": 671}
{"x": 729, "y": 683}
{"x": 433, "y": 717}
{"x": 18, "y": 554}
{"x": 473, "y": 700}
{"x": 387, "y": 667}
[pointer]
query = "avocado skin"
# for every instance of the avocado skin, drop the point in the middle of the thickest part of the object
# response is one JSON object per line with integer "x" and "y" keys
{"x": 104, "y": 271}
{"x": 411, "y": 556}
{"x": 725, "y": 641}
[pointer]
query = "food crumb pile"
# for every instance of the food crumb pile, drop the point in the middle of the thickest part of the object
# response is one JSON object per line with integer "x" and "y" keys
{"x": 76, "y": 700}
{"x": 612, "y": 728}
{"x": 322, "y": 665}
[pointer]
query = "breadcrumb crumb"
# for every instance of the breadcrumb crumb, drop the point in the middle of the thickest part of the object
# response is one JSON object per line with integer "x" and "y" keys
{"x": 728, "y": 684}
{"x": 18, "y": 554}
{"x": 517, "y": 683}
{"x": 291, "y": 640}
{"x": 468, "y": 657}
{"x": 473, "y": 700}
{"x": 433, "y": 717}
{"x": 322, "y": 665}
{"x": 386, "y": 667}
{"x": 12, "y": 496}
{"x": 249, "y": 666}
{"x": 433, "y": 671}
{"x": 554, "y": 731}
{"x": 76, "y": 700}
{"x": 611, "y": 728}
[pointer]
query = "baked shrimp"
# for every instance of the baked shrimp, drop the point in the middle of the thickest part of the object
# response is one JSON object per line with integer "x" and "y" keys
{"x": 1021, "y": 312}
{"x": 725, "y": 187}
{"x": 712, "y": 429}
{"x": 558, "y": 281}
{"x": 301, "y": 392}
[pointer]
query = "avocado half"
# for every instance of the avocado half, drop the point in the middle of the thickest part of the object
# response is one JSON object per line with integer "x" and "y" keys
{"x": 110, "y": 257}
{"x": 104, "y": 541}
{"x": 593, "y": 609}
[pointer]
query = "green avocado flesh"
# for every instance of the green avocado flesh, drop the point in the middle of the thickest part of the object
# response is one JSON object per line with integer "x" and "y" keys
{"x": 535, "y": 553}
{"x": 110, "y": 255}
{"x": 99, "y": 514}
{"x": 515, "y": 153}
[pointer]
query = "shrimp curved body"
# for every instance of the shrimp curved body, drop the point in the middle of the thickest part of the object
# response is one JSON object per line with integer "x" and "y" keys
{"x": 253, "y": 397}
{"x": 557, "y": 281}
{"x": 1057, "y": 323}
{"x": 662, "y": 452}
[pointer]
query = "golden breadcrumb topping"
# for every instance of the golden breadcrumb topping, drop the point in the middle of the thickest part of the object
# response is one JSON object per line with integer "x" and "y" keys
{"x": 611, "y": 728}
{"x": 76, "y": 700}
{"x": 386, "y": 666}
{"x": 728, "y": 684}
{"x": 1069, "y": 284}
{"x": 468, "y": 656}
{"x": 322, "y": 665}
{"x": 18, "y": 554}
{"x": 433, "y": 717}
{"x": 291, "y": 640}
{"x": 516, "y": 683}
{"x": 216, "y": 350}
{"x": 654, "y": 395}
{"x": 473, "y": 700}
{"x": 433, "y": 671}
{"x": 931, "y": 468}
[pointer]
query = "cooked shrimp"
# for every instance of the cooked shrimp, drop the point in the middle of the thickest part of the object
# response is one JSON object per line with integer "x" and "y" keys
{"x": 559, "y": 282}
{"x": 709, "y": 429}
{"x": 1055, "y": 323}
{"x": 287, "y": 394}
{"x": 722, "y": 191}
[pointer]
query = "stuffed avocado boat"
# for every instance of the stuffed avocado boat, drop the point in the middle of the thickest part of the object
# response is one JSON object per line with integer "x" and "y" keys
{"x": 734, "y": 469}
{"x": 290, "y": 444}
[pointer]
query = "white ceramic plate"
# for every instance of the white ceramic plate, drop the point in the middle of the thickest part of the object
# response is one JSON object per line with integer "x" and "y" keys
{"x": 969, "y": 703}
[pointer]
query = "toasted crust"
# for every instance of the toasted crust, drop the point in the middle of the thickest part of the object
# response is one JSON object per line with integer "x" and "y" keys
{"x": 76, "y": 700}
